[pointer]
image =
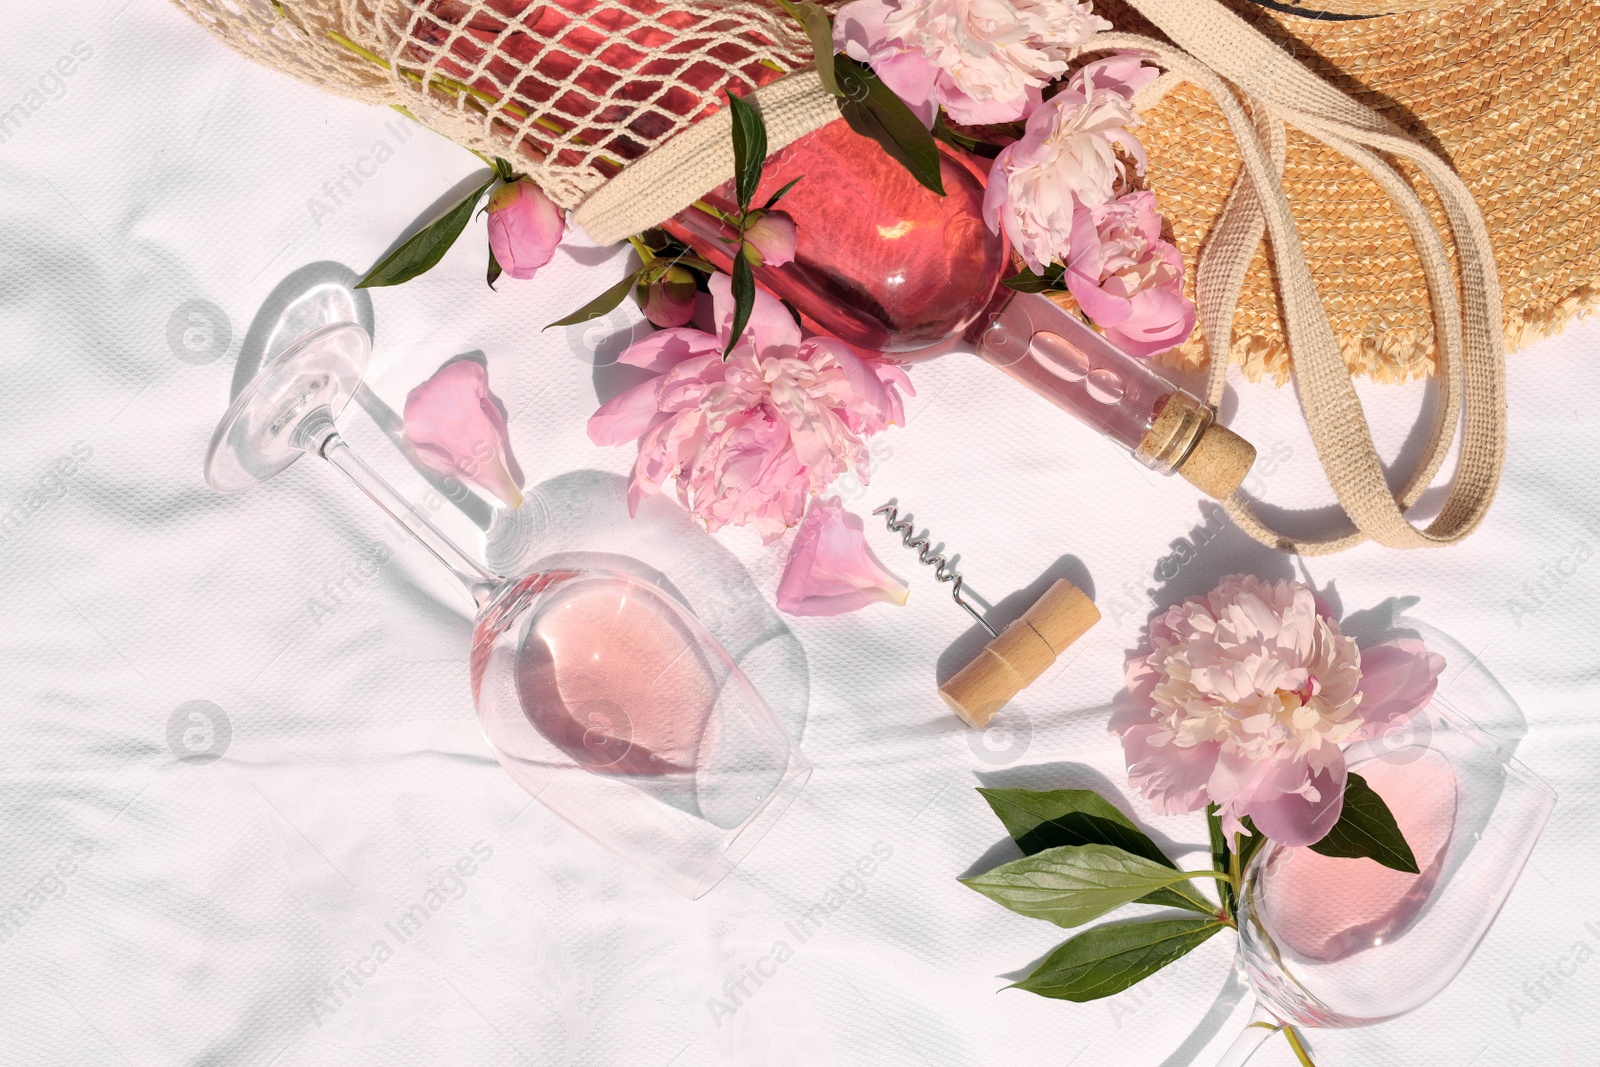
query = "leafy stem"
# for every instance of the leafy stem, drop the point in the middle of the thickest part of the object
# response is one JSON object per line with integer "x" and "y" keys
{"x": 1299, "y": 1047}
{"x": 1235, "y": 875}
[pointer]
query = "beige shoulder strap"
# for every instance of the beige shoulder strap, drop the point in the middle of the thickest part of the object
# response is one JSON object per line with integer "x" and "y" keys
{"x": 1215, "y": 47}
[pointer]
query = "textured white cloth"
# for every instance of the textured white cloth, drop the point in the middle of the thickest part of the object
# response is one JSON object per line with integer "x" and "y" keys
{"x": 159, "y": 195}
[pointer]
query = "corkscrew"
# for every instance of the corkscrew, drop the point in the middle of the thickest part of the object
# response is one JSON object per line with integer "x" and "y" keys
{"x": 1016, "y": 656}
{"x": 942, "y": 572}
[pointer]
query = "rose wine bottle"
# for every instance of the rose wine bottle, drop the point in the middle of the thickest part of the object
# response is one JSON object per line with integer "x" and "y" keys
{"x": 890, "y": 267}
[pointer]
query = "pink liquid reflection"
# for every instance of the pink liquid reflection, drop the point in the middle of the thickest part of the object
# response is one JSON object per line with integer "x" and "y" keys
{"x": 610, "y": 676}
{"x": 1325, "y": 909}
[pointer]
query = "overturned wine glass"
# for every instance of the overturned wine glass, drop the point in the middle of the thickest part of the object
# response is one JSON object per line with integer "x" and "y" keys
{"x": 600, "y": 694}
{"x": 1338, "y": 942}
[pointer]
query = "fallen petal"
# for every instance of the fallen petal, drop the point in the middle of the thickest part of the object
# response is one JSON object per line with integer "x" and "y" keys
{"x": 455, "y": 427}
{"x": 831, "y": 570}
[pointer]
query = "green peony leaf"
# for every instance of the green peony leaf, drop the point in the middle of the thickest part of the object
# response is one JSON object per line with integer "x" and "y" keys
{"x": 1025, "y": 281}
{"x": 1366, "y": 828}
{"x": 603, "y": 304}
{"x": 818, "y": 25}
{"x": 1251, "y": 844}
{"x": 1113, "y": 956}
{"x": 873, "y": 110}
{"x": 749, "y": 149}
{"x": 1074, "y": 884}
{"x": 744, "y": 299}
{"x": 1040, "y": 820}
{"x": 422, "y": 251}
{"x": 494, "y": 268}
{"x": 779, "y": 195}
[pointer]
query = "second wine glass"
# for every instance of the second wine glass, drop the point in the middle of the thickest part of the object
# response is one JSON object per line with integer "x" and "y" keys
{"x": 1332, "y": 942}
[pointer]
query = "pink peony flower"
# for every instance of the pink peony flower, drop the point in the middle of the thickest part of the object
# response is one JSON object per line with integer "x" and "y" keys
{"x": 770, "y": 239}
{"x": 984, "y": 61}
{"x": 670, "y": 299}
{"x": 831, "y": 570}
{"x": 748, "y": 440}
{"x": 455, "y": 427}
{"x": 1126, "y": 278}
{"x": 1067, "y": 159}
{"x": 1245, "y": 699}
{"x": 525, "y": 226}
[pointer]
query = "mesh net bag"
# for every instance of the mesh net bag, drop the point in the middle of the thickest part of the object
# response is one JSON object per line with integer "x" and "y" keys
{"x": 571, "y": 90}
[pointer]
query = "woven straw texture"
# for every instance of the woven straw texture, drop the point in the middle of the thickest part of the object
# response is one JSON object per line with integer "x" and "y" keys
{"x": 573, "y": 90}
{"x": 1507, "y": 91}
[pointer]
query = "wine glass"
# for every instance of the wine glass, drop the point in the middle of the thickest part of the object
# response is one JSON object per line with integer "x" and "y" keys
{"x": 602, "y": 696}
{"x": 1329, "y": 942}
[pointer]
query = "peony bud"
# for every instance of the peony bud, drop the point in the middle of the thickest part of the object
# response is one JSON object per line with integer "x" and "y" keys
{"x": 455, "y": 427}
{"x": 831, "y": 570}
{"x": 668, "y": 299}
{"x": 525, "y": 226}
{"x": 769, "y": 238}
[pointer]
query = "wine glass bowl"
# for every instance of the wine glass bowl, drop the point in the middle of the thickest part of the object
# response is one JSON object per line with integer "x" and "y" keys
{"x": 1340, "y": 942}
{"x": 606, "y": 698}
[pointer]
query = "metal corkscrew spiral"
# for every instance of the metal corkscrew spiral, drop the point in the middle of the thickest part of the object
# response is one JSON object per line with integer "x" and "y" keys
{"x": 942, "y": 570}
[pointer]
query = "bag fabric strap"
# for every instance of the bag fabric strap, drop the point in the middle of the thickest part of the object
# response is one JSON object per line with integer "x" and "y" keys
{"x": 1216, "y": 47}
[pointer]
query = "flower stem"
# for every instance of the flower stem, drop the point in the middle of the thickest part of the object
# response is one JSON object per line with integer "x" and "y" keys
{"x": 646, "y": 256}
{"x": 1235, "y": 876}
{"x": 720, "y": 216}
{"x": 1295, "y": 1043}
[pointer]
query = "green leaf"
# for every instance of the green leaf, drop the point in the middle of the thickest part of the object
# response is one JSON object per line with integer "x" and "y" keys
{"x": 494, "y": 268}
{"x": 1113, "y": 956}
{"x": 1366, "y": 828}
{"x": 749, "y": 149}
{"x": 1026, "y": 281}
{"x": 423, "y": 249}
{"x": 504, "y": 170}
{"x": 603, "y": 304}
{"x": 819, "y": 27}
{"x": 1074, "y": 884}
{"x": 1040, "y": 820}
{"x": 1221, "y": 858}
{"x": 1249, "y": 846}
{"x": 779, "y": 195}
{"x": 873, "y": 110}
{"x": 744, "y": 298}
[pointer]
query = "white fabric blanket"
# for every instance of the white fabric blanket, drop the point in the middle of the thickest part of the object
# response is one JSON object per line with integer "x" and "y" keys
{"x": 157, "y": 196}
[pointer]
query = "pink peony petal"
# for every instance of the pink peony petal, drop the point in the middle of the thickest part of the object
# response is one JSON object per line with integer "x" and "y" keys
{"x": 831, "y": 570}
{"x": 455, "y": 427}
{"x": 770, "y": 326}
{"x": 1285, "y": 811}
{"x": 525, "y": 226}
{"x": 912, "y": 78}
{"x": 665, "y": 349}
{"x": 626, "y": 416}
{"x": 1124, "y": 74}
{"x": 1172, "y": 778}
{"x": 1398, "y": 679}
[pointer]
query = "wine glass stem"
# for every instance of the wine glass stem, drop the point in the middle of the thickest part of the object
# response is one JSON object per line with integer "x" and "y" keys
{"x": 1262, "y": 1025}
{"x": 473, "y": 576}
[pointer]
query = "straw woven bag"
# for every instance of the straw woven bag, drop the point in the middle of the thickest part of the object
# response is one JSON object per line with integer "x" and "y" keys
{"x": 1385, "y": 134}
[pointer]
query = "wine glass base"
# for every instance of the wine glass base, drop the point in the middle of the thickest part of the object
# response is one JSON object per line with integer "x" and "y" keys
{"x": 255, "y": 439}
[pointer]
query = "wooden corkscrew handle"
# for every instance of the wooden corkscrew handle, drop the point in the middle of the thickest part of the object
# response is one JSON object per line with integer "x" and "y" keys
{"x": 1023, "y": 651}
